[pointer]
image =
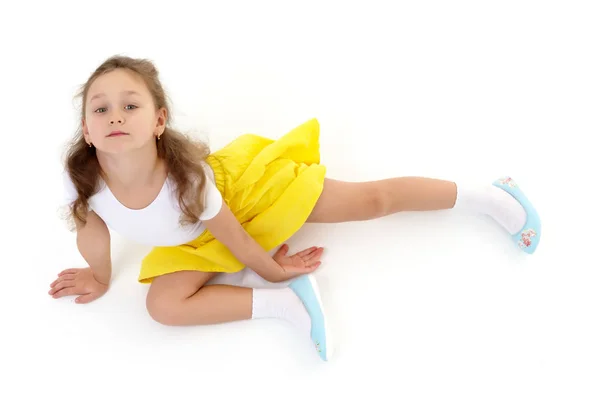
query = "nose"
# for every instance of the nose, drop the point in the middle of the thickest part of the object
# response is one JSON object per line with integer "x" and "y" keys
{"x": 116, "y": 118}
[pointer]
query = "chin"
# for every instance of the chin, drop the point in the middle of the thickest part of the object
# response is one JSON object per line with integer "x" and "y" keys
{"x": 119, "y": 148}
{"x": 124, "y": 144}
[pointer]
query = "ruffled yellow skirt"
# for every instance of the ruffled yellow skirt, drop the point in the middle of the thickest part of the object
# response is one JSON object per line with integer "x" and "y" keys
{"x": 270, "y": 185}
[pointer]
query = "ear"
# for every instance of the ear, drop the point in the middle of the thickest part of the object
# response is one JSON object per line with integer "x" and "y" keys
{"x": 86, "y": 132}
{"x": 161, "y": 121}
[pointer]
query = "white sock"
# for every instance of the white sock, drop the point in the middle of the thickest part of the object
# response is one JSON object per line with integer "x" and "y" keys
{"x": 280, "y": 303}
{"x": 492, "y": 201}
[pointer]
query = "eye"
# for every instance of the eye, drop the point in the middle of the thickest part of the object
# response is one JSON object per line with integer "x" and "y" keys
{"x": 126, "y": 107}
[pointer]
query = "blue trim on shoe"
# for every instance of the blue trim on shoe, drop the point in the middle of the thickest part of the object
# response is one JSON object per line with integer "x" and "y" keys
{"x": 307, "y": 290}
{"x": 528, "y": 237}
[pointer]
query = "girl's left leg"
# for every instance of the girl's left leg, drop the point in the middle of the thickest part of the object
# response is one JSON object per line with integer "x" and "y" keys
{"x": 358, "y": 201}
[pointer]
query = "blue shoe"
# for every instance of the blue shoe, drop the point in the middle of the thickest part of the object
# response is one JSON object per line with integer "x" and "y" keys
{"x": 307, "y": 290}
{"x": 528, "y": 237}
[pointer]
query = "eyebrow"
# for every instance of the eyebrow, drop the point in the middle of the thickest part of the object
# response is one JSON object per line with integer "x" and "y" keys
{"x": 127, "y": 92}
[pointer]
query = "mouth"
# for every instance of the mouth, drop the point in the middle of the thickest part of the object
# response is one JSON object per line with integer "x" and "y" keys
{"x": 117, "y": 133}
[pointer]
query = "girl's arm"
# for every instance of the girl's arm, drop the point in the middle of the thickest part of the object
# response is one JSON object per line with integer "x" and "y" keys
{"x": 227, "y": 230}
{"x": 93, "y": 242}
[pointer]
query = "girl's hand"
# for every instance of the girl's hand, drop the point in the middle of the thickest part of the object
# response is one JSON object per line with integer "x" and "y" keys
{"x": 303, "y": 262}
{"x": 78, "y": 281}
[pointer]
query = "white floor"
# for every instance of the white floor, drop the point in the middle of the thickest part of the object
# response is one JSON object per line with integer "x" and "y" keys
{"x": 423, "y": 306}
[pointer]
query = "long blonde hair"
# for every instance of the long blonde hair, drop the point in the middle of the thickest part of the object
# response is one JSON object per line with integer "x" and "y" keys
{"x": 182, "y": 154}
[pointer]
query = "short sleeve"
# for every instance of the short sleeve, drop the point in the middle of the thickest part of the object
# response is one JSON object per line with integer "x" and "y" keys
{"x": 213, "y": 200}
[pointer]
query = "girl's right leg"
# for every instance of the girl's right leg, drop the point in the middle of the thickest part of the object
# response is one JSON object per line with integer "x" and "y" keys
{"x": 183, "y": 298}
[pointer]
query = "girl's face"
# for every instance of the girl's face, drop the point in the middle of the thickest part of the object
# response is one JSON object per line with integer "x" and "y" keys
{"x": 120, "y": 113}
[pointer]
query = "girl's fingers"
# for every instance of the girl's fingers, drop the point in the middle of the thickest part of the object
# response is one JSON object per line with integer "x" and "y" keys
{"x": 306, "y": 252}
{"x": 314, "y": 256}
{"x": 70, "y": 291}
{"x": 63, "y": 278}
{"x": 68, "y": 271}
{"x": 61, "y": 285}
{"x": 314, "y": 265}
{"x": 86, "y": 298}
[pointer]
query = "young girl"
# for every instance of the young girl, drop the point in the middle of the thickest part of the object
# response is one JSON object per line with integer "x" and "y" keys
{"x": 209, "y": 213}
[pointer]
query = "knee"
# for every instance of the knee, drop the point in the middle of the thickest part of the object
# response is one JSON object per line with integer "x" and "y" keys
{"x": 163, "y": 309}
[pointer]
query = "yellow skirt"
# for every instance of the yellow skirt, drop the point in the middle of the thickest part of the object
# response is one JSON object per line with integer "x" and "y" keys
{"x": 271, "y": 187}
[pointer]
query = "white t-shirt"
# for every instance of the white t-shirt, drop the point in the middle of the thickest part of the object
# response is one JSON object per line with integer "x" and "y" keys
{"x": 158, "y": 224}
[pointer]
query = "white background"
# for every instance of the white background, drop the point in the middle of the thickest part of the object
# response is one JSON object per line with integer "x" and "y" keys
{"x": 423, "y": 306}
